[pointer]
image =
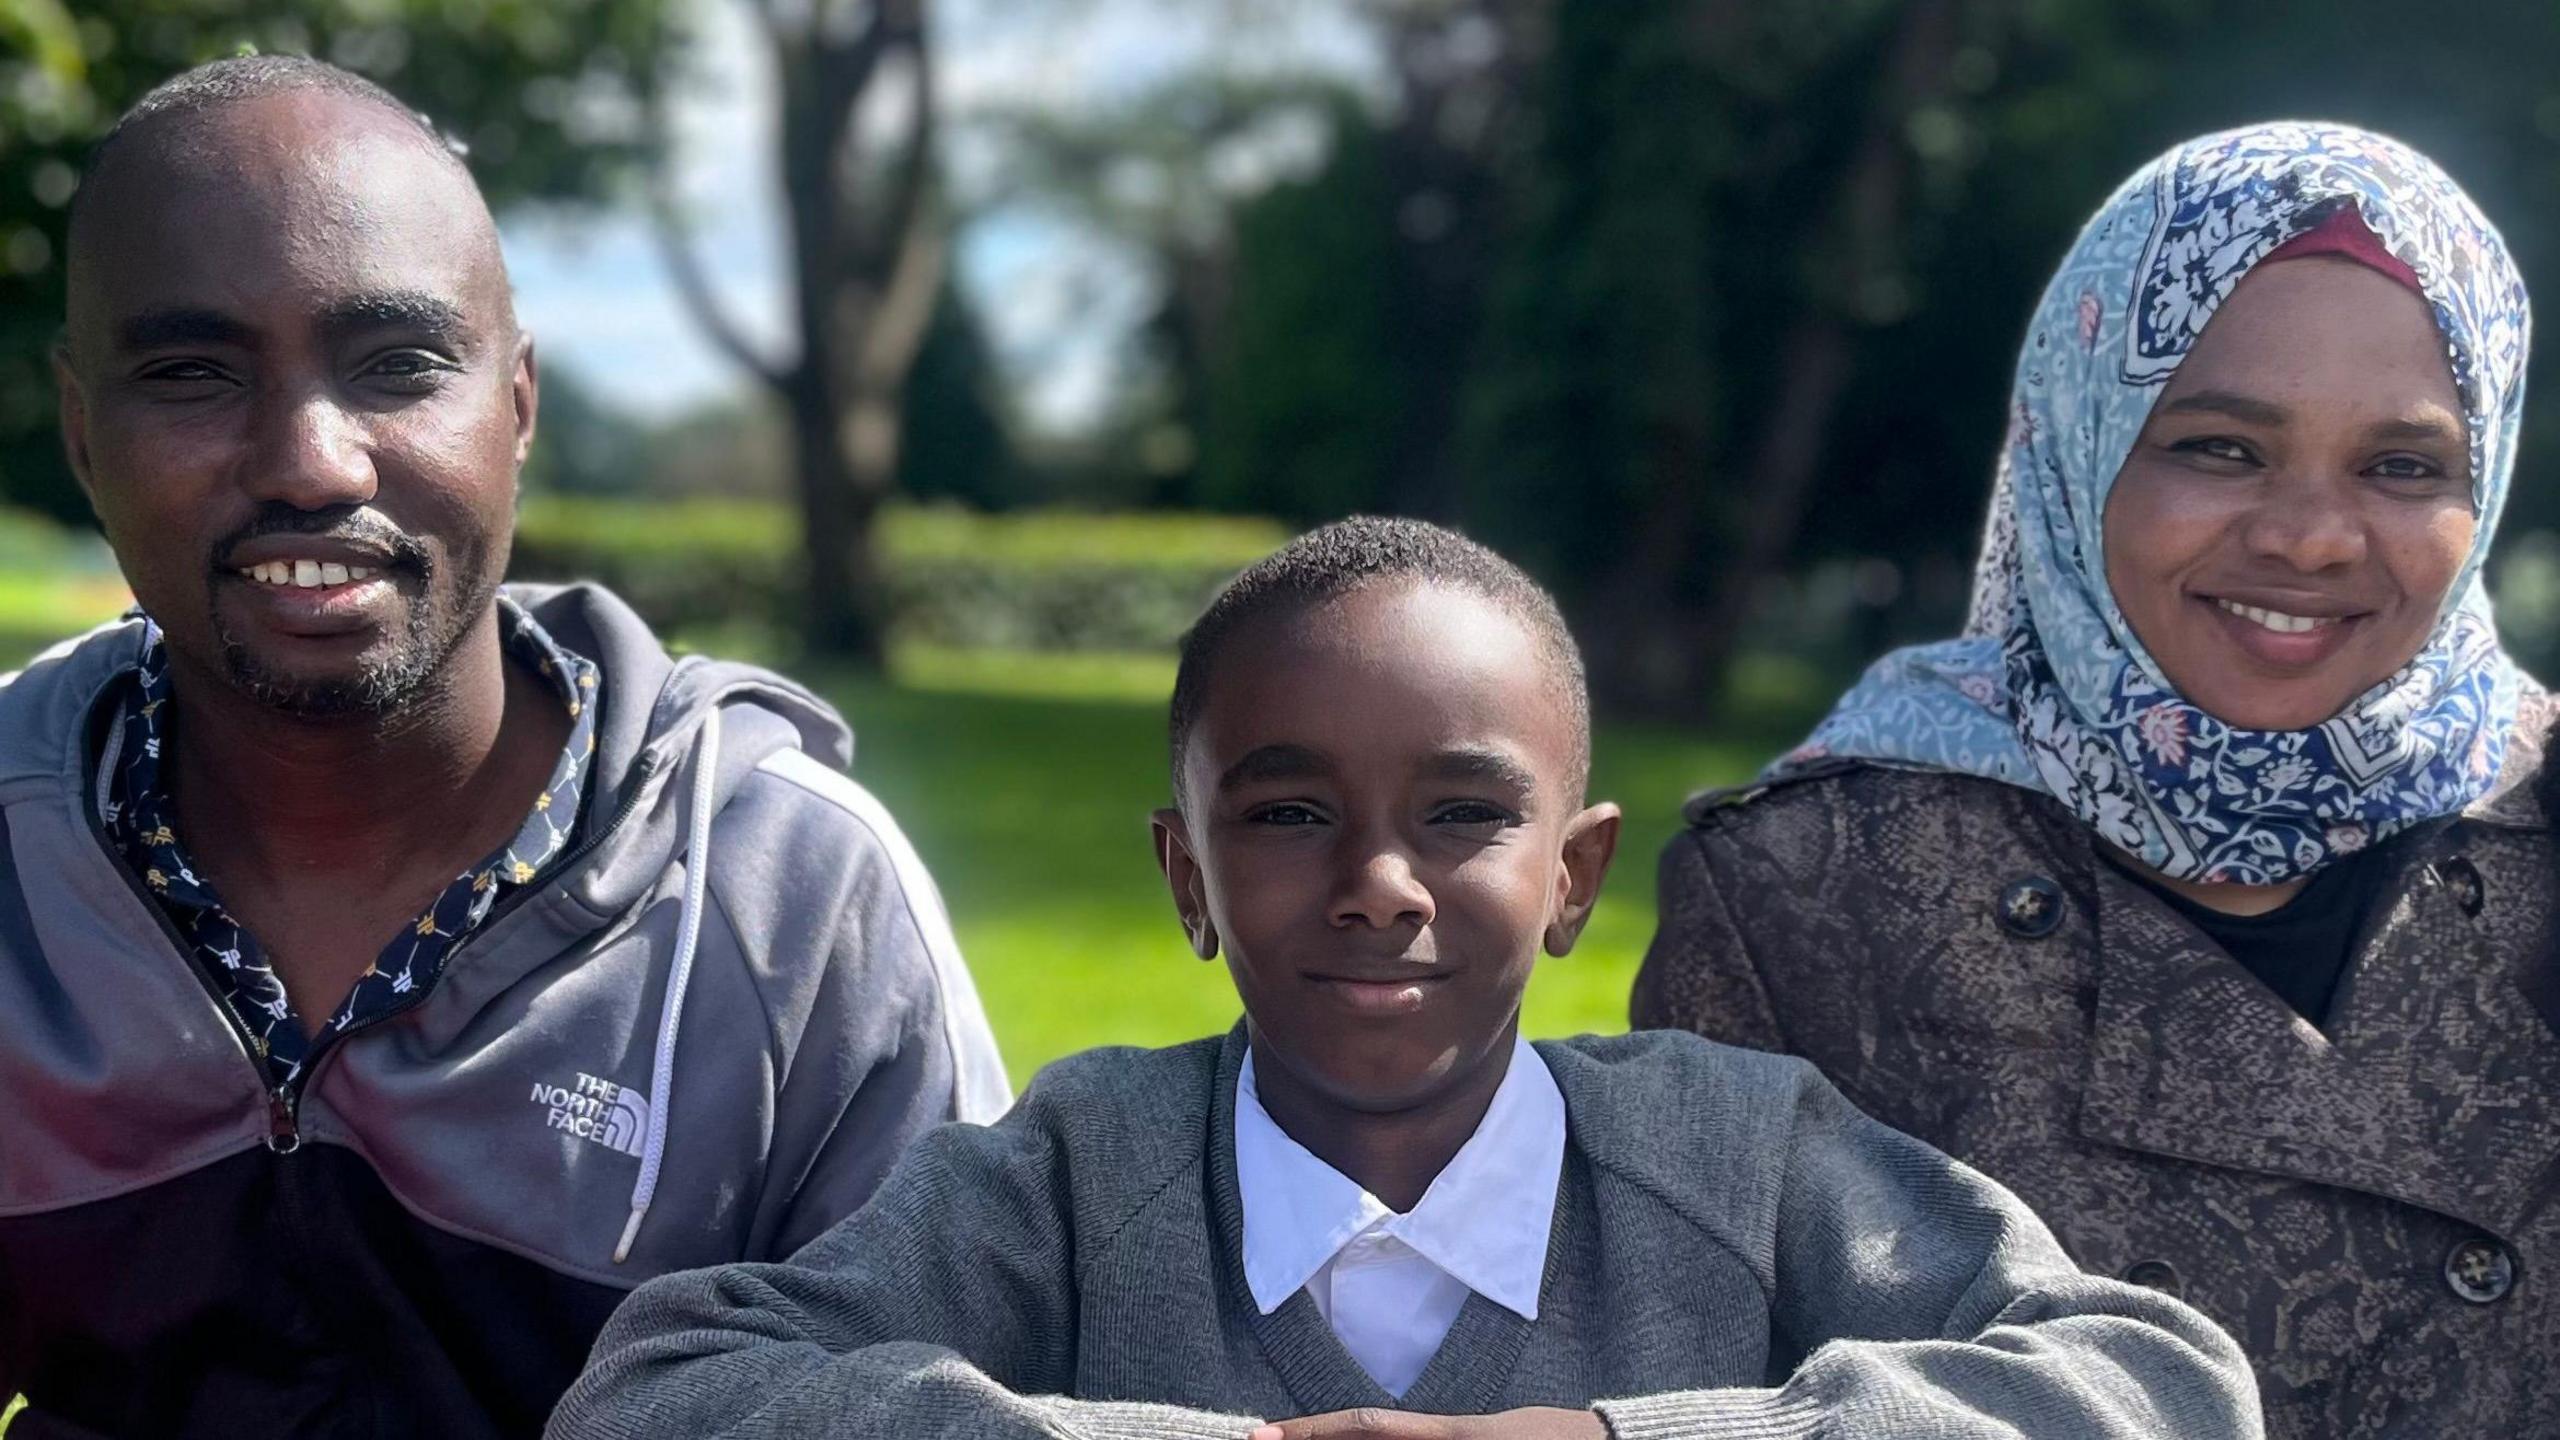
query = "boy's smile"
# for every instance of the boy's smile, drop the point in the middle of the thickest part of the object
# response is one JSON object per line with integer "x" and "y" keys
{"x": 1386, "y": 821}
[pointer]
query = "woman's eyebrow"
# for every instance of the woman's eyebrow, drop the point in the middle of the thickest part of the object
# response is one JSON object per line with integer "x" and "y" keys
{"x": 2419, "y": 427}
{"x": 2244, "y": 408}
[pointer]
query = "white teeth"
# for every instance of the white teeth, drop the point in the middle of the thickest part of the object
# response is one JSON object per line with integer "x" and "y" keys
{"x": 2277, "y": 620}
{"x": 306, "y": 574}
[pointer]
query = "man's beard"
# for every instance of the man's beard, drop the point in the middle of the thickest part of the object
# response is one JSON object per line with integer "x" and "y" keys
{"x": 383, "y": 684}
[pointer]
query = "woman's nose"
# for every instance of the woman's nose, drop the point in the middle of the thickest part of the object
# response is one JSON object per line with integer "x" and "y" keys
{"x": 2308, "y": 525}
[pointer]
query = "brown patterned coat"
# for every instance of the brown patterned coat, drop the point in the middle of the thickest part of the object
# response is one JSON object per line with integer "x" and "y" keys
{"x": 2373, "y": 1213}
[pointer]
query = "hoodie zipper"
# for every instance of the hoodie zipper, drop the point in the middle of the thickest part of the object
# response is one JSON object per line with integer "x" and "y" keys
{"x": 282, "y": 1136}
{"x": 284, "y": 1098}
{"x": 288, "y": 1096}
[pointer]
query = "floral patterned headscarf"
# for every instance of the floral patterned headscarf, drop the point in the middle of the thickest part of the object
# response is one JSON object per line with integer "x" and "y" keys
{"x": 2049, "y": 689}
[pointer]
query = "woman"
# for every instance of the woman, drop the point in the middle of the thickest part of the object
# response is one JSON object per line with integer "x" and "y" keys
{"x": 2200, "y": 892}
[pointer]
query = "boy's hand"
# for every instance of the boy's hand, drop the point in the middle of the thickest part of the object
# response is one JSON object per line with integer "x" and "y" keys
{"x": 1534, "y": 1424}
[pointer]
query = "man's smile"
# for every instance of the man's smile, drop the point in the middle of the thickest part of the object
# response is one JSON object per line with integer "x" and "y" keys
{"x": 311, "y": 599}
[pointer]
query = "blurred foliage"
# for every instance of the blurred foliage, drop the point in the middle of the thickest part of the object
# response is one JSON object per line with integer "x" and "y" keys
{"x": 1028, "y": 580}
{"x": 540, "y": 92}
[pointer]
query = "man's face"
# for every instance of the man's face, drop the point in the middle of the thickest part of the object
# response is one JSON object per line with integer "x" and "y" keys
{"x": 1384, "y": 827}
{"x": 294, "y": 391}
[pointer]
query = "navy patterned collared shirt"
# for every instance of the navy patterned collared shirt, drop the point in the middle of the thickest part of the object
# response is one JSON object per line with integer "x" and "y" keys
{"x": 143, "y": 825}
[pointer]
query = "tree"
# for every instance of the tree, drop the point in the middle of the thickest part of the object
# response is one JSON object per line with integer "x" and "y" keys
{"x": 868, "y": 247}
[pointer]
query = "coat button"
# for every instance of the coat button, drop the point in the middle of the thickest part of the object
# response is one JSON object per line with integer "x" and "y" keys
{"x": 2031, "y": 906}
{"x": 2157, "y": 1275}
{"x": 2480, "y": 1270}
{"x": 2461, "y": 879}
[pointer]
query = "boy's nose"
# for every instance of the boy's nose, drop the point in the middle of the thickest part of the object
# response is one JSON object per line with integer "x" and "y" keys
{"x": 1380, "y": 891}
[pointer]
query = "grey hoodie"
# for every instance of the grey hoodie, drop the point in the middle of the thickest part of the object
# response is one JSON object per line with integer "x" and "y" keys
{"x": 704, "y": 1038}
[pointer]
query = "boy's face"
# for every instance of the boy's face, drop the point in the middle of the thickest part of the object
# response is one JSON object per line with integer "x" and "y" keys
{"x": 1384, "y": 825}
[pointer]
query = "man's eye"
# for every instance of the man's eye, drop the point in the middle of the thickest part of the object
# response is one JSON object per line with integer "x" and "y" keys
{"x": 1286, "y": 814}
{"x": 182, "y": 371}
{"x": 410, "y": 367}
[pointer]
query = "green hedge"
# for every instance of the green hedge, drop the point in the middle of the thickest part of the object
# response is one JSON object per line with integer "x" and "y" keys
{"x": 1024, "y": 580}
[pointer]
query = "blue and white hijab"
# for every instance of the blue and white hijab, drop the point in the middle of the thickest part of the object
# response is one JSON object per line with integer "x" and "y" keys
{"x": 2049, "y": 689}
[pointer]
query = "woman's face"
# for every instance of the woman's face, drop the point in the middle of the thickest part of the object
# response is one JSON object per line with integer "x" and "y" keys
{"x": 2298, "y": 503}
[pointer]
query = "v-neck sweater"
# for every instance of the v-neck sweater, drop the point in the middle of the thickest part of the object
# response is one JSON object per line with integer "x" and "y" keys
{"x": 1736, "y": 1252}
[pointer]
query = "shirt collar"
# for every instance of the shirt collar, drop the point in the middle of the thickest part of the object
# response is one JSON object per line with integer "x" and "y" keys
{"x": 1485, "y": 1219}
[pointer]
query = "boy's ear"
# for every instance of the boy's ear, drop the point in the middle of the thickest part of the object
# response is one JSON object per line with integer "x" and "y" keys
{"x": 1183, "y": 875}
{"x": 1590, "y": 841}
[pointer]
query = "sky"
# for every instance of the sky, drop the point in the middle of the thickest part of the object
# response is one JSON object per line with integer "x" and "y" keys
{"x": 1058, "y": 297}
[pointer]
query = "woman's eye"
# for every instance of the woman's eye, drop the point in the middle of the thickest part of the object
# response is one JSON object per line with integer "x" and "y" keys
{"x": 2216, "y": 447}
{"x": 2405, "y": 467}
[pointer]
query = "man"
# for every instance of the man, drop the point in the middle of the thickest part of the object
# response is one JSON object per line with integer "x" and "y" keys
{"x": 395, "y": 970}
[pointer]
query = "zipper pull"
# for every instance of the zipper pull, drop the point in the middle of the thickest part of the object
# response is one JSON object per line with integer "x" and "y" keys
{"x": 283, "y": 1136}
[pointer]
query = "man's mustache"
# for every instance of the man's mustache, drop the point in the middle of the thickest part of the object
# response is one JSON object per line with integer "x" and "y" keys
{"x": 364, "y": 530}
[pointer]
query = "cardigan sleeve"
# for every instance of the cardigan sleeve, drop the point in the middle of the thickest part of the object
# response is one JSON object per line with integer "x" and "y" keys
{"x": 1930, "y": 1303}
{"x": 1698, "y": 973}
{"x": 944, "y": 1308}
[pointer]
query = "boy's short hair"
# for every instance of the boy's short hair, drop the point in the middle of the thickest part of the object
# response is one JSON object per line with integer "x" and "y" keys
{"x": 1341, "y": 557}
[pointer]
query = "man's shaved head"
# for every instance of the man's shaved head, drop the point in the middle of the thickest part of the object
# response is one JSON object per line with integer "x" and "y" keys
{"x": 228, "y": 82}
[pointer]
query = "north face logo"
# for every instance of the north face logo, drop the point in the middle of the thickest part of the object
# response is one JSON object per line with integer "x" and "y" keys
{"x": 614, "y": 1116}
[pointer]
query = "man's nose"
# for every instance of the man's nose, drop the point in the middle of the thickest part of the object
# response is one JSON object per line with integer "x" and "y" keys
{"x": 2309, "y": 524}
{"x": 311, "y": 455}
{"x": 1380, "y": 890}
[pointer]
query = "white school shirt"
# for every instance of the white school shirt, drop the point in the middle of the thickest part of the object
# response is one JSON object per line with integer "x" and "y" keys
{"x": 1391, "y": 1285}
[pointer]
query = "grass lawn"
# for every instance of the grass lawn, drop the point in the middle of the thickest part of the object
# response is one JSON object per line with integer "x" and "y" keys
{"x": 1026, "y": 780}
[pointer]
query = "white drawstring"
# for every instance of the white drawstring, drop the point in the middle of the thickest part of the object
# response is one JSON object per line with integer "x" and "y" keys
{"x": 697, "y": 871}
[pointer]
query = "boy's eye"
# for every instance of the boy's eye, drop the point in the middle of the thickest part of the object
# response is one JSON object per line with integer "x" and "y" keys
{"x": 1285, "y": 813}
{"x": 1473, "y": 812}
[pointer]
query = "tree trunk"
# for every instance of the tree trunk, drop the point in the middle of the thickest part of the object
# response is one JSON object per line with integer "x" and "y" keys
{"x": 1818, "y": 359}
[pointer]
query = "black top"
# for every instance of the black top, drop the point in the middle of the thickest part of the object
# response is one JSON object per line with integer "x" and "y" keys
{"x": 2300, "y": 948}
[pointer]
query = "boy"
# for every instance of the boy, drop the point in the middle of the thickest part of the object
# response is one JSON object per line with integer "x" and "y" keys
{"x": 1370, "y": 1206}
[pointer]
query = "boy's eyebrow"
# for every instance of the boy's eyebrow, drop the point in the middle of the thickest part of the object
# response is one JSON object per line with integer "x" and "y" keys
{"x": 1272, "y": 762}
{"x": 1482, "y": 764}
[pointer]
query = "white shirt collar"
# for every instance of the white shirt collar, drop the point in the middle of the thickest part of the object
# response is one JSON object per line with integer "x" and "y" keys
{"x": 1484, "y": 1220}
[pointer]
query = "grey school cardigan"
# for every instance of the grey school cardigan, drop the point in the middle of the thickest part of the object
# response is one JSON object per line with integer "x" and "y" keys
{"x": 1737, "y": 1253}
